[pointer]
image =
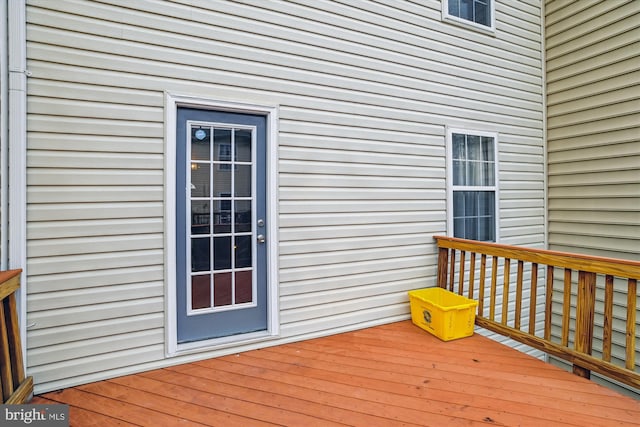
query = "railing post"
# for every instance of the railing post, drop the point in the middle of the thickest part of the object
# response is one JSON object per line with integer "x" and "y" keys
{"x": 14, "y": 386}
{"x": 584, "y": 318}
{"x": 443, "y": 261}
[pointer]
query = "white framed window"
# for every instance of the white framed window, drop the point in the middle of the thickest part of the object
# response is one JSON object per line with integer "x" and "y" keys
{"x": 472, "y": 175}
{"x": 478, "y": 14}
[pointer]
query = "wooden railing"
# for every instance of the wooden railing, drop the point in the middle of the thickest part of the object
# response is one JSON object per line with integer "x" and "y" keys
{"x": 463, "y": 267}
{"x": 15, "y": 387}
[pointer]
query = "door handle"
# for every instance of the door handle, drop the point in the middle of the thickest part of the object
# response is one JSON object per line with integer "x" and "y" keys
{"x": 260, "y": 238}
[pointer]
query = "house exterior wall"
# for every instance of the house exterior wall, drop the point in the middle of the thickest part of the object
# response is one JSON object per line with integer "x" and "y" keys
{"x": 593, "y": 101}
{"x": 4, "y": 130}
{"x": 593, "y": 116}
{"x": 365, "y": 91}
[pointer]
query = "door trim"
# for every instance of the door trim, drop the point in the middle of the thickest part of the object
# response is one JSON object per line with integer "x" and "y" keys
{"x": 172, "y": 102}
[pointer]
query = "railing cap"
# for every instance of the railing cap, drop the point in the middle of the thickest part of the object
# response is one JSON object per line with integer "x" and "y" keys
{"x": 596, "y": 264}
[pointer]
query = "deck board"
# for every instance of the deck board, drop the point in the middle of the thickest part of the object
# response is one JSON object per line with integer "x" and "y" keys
{"x": 389, "y": 375}
{"x": 459, "y": 390}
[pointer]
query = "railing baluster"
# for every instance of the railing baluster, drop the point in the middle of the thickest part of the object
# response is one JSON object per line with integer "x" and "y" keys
{"x": 472, "y": 274}
{"x": 631, "y": 324}
{"x": 533, "y": 298}
{"x": 481, "y": 284}
{"x": 494, "y": 282}
{"x": 518, "y": 319}
{"x": 505, "y": 290}
{"x": 461, "y": 275}
{"x": 607, "y": 332}
{"x": 566, "y": 307}
{"x": 452, "y": 271}
{"x": 548, "y": 304}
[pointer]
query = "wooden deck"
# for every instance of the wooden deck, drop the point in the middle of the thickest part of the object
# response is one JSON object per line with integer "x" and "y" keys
{"x": 389, "y": 375}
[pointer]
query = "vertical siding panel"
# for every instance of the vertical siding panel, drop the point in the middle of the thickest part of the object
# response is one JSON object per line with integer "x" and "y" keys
{"x": 365, "y": 91}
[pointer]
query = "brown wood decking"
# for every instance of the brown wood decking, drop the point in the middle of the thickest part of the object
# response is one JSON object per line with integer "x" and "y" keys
{"x": 391, "y": 375}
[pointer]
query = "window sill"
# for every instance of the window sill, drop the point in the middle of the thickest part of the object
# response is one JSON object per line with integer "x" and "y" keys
{"x": 470, "y": 25}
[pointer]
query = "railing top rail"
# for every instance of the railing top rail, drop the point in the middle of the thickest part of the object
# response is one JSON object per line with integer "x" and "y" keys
{"x": 602, "y": 265}
{"x": 9, "y": 282}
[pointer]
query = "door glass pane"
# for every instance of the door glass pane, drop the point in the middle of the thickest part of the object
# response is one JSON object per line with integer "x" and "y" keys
{"x": 244, "y": 286}
{"x": 200, "y": 254}
{"x": 242, "y": 183}
{"x": 222, "y": 252}
{"x": 221, "y": 179}
{"x": 222, "y": 289}
{"x": 200, "y": 217}
{"x": 243, "y": 145}
{"x": 222, "y": 145}
{"x": 222, "y": 214}
{"x": 200, "y": 292}
{"x": 201, "y": 143}
{"x": 243, "y": 251}
{"x": 200, "y": 180}
{"x": 243, "y": 216}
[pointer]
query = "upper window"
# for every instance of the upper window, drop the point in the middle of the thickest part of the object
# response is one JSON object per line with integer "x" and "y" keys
{"x": 478, "y": 13}
{"x": 473, "y": 184}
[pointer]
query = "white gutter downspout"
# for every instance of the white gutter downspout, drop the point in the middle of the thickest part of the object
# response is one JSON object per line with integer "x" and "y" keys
{"x": 545, "y": 143}
{"x": 17, "y": 154}
{"x": 4, "y": 137}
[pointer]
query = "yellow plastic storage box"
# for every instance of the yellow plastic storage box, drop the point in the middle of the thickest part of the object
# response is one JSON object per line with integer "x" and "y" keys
{"x": 446, "y": 315}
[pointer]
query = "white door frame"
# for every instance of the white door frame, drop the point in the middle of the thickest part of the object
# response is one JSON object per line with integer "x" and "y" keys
{"x": 13, "y": 133}
{"x": 172, "y": 102}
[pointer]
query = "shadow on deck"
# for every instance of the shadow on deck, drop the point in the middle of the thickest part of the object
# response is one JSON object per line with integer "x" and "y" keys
{"x": 389, "y": 375}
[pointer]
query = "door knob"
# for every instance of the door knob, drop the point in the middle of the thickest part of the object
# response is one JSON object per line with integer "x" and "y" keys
{"x": 260, "y": 238}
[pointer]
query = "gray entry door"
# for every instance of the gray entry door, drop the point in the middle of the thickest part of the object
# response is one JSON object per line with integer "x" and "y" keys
{"x": 221, "y": 261}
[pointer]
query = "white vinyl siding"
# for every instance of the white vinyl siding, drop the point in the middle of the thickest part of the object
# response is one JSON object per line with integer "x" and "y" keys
{"x": 365, "y": 91}
{"x": 593, "y": 88}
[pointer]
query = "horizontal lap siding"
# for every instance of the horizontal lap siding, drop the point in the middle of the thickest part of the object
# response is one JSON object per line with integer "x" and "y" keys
{"x": 594, "y": 137}
{"x": 364, "y": 89}
{"x": 593, "y": 92}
